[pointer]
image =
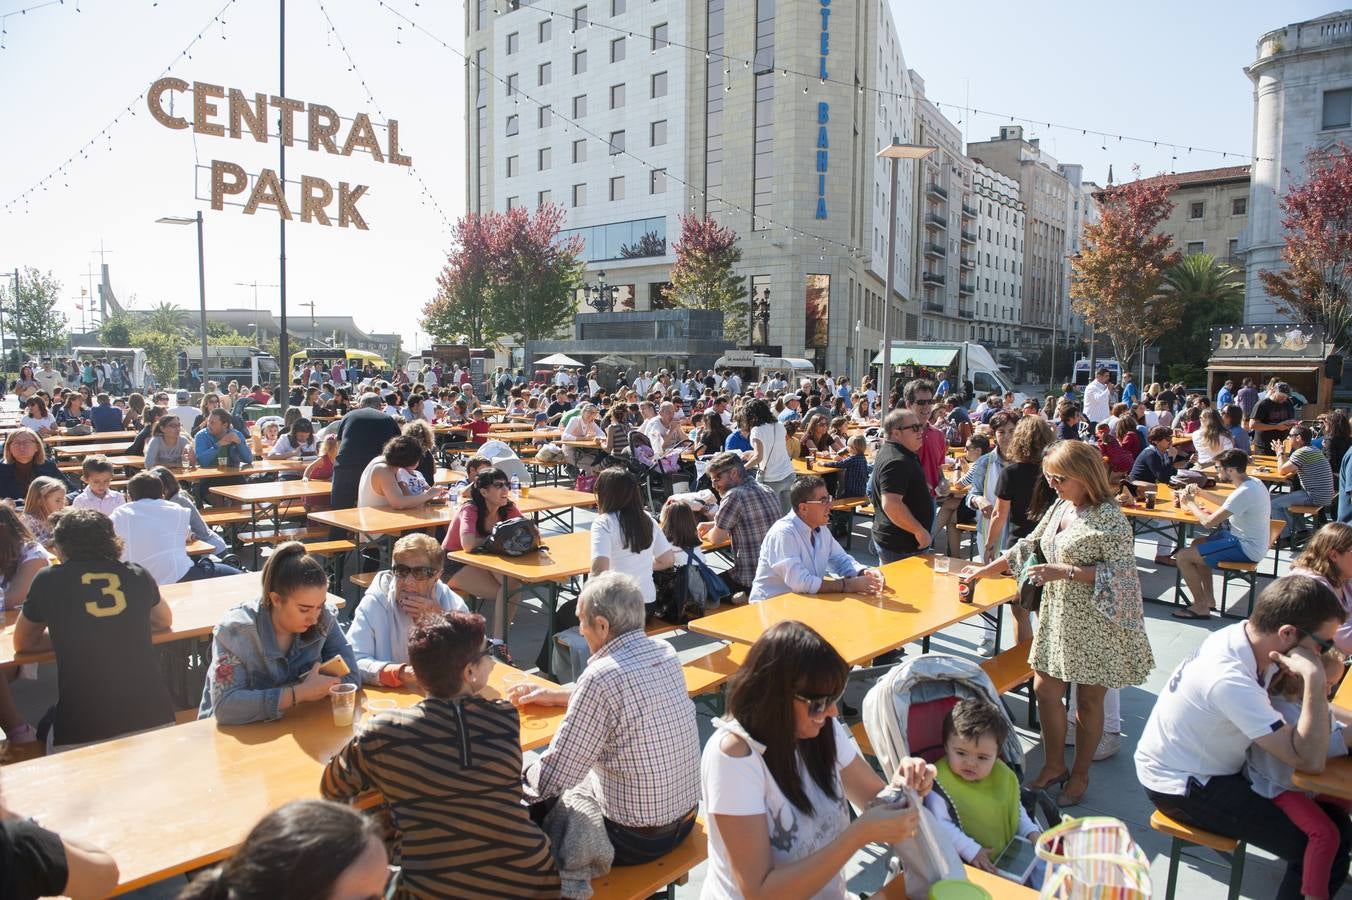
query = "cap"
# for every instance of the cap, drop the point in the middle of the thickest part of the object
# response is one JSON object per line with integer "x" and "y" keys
{"x": 183, "y": 396}
{"x": 1282, "y": 387}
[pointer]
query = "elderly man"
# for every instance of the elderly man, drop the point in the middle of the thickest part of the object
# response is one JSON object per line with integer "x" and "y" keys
{"x": 746, "y": 511}
{"x": 791, "y": 410}
{"x": 903, "y": 507}
{"x": 1098, "y": 398}
{"x": 663, "y": 431}
{"x": 629, "y": 733}
{"x": 801, "y": 556}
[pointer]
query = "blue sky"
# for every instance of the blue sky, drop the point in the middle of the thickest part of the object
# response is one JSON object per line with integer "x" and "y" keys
{"x": 1162, "y": 71}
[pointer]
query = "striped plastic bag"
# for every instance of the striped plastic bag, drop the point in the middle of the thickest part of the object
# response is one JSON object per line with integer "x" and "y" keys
{"x": 1093, "y": 858}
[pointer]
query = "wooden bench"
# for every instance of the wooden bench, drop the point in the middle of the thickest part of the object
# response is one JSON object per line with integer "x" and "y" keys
{"x": 967, "y": 528}
{"x": 861, "y": 738}
{"x": 657, "y": 877}
{"x": 709, "y": 673}
{"x": 843, "y": 508}
{"x": 1247, "y": 572}
{"x": 1009, "y": 669}
{"x": 1182, "y": 836}
{"x": 363, "y": 580}
{"x": 223, "y": 516}
{"x": 285, "y": 534}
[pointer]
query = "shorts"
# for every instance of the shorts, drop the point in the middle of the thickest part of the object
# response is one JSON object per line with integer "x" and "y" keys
{"x": 1220, "y": 547}
{"x": 449, "y": 567}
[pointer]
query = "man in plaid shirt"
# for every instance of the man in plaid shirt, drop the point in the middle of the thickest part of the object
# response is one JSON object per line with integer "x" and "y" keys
{"x": 746, "y": 511}
{"x": 629, "y": 736}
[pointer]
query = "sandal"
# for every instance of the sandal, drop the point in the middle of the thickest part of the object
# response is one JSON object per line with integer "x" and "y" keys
{"x": 1189, "y": 614}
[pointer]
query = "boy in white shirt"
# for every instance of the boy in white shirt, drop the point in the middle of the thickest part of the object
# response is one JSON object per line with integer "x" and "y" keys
{"x": 97, "y": 474}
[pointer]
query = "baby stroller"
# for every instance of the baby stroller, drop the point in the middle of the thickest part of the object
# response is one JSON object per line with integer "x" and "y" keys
{"x": 904, "y": 713}
{"x": 660, "y": 476}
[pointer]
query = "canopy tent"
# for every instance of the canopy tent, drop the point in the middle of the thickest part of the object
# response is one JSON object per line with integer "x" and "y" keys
{"x": 930, "y": 357}
{"x": 557, "y": 359}
{"x": 772, "y": 363}
{"x": 610, "y": 359}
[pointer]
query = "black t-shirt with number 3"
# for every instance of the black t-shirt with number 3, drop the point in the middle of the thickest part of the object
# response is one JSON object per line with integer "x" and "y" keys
{"x": 108, "y": 674}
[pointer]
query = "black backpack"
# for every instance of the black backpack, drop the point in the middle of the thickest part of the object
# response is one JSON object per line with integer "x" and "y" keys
{"x": 511, "y": 537}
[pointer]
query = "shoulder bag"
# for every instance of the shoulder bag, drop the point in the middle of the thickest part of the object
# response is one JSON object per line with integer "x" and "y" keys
{"x": 1030, "y": 594}
{"x": 511, "y": 537}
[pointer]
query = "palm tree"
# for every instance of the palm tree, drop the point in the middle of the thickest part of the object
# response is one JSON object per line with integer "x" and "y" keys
{"x": 166, "y": 318}
{"x": 1206, "y": 293}
{"x": 1199, "y": 279}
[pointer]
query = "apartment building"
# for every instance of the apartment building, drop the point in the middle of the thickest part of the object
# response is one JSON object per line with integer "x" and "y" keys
{"x": 994, "y": 265}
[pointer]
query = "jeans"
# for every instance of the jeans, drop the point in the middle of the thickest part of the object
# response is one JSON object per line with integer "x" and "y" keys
{"x": 634, "y": 848}
{"x": 205, "y": 568}
{"x": 1281, "y": 504}
{"x": 782, "y": 489}
{"x": 1227, "y": 805}
{"x": 886, "y": 556}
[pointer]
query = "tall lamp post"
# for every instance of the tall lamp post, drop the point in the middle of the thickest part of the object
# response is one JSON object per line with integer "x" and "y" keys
{"x": 201, "y": 280}
{"x": 599, "y": 295}
{"x": 896, "y": 151}
{"x": 760, "y": 315}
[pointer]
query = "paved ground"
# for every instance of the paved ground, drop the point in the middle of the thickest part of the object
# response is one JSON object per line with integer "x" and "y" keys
{"x": 1114, "y": 790}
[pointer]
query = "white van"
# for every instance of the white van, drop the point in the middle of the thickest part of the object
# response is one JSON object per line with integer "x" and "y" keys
{"x": 960, "y": 361}
{"x": 791, "y": 367}
{"x": 133, "y": 357}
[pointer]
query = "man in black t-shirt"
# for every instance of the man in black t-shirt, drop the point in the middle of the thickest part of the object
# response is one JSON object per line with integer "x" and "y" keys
{"x": 903, "y": 507}
{"x": 1271, "y": 418}
{"x": 562, "y": 403}
{"x": 100, "y": 613}
{"x": 362, "y": 434}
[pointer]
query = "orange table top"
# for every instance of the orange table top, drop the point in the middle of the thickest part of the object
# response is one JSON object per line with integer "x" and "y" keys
{"x": 382, "y": 520}
{"x": 212, "y": 783}
{"x": 1335, "y": 780}
{"x": 92, "y": 448}
{"x": 59, "y": 439}
{"x": 916, "y": 602}
{"x": 563, "y": 556}
{"x": 258, "y": 467}
{"x": 272, "y": 491}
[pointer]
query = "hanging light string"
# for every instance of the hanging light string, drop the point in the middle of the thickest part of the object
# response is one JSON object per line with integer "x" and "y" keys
{"x": 370, "y": 98}
{"x": 106, "y": 133}
{"x": 795, "y": 233}
{"x": 808, "y": 77}
{"x": 25, "y": 11}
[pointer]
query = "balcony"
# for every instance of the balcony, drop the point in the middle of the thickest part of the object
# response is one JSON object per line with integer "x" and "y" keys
{"x": 936, "y": 190}
{"x": 969, "y": 211}
{"x": 966, "y": 287}
{"x": 968, "y": 262}
{"x": 932, "y": 278}
{"x": 967, "y": 314}
{"x": 933, "y": 306}
{"x": 935, "y": 250}
{"x": 933, "y": 220}
{"x": 968, "y": 237}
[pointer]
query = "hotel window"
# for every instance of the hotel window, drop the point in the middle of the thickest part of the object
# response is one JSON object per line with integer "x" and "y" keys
{"x": 617, "y": 188}
{"x": 657, "y": 181}
{"x": 543, "y": 158}
{"x": 513, "y": 167}
{"x": 579, "y": 17}
{"x": 617, "y": 49}
{"x": 579, "y": 106}
{"x": 513, "y": 202}
{"x": 1239, "y": 206}
{"x": 657, "y": 133}
{"x": 1196, "y": 247}
{"x": 616, "y": 96}
{"x": 659, "y": 85}
{"x": 660, "y": 36}
{"x": 544, "y": 197}
{"x": 617, "y": 7}
{"x": 580, "y": 150}
{"x": 544, "y": 73}
{"x": 616, "y": 142}
{"x": 513, "y": 42}
{"x": 513, "y": 81}
{"x": 513, "y": 125}
{"x": 546, "y": 31}
{"x": 1338, "y": 108}
{"x": 579, "y": 195}
{"x": 1195, "y": 209}
{"x": 579, "y": 62}
{"x": 543, "y": 119}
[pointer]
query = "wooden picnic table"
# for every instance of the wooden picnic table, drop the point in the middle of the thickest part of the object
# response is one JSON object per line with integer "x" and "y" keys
{"x": 173, "y": 800}
{"x": 60, "y": 439}
{"x": 383, "y": 520}
{"x": 996, "y": 887}
{"x": 117, "y": 447}
{"x": 916, "y": 603}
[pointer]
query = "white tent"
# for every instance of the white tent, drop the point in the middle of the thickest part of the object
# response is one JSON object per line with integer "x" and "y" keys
{"x": 557, "y": 359}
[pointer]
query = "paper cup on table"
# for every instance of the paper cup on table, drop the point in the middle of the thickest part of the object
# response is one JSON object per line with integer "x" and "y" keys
{"x": 344, "y": 700}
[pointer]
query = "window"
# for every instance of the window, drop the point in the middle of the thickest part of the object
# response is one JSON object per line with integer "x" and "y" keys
{"x": 1195, "y": 209}
{"x": 544, "y": 73}
{"x": 617, "y": 188}
{"x": 543, "y": 159}
{"x": 657, "y": 133}
{"x": 579, "y": 106}
{"x": 543, "y": 198}
{"x": 1338, "y": 108}
{"x": 616, "y": 142}
{"x": 512, "y": 167}
{"x": 579, "y": 62}
{"x": 543, "y": 119}
{"x": 546, "y": 31}
{"x": 513, "y": 202}
{"x": 580, "y": 150}
{"x": 1239, "y": 206}
{"x": 513, "y": 125}
{"x": 579, "y": 195}
{"x": 513, "y": 42}
{"x": 660, "y": 36}
{"x": 616, "y": 7}
{"x": 659, "y": 84}
{"x": 1196, "y": 247}
{"x": 657, "y": 181}
{"x": 616, "y": 96}
{"x": 579, "y": 17}
{"x": 513, "y": 81}
{"x": 617, "y": 49}
{"x": 1232, "y": 248}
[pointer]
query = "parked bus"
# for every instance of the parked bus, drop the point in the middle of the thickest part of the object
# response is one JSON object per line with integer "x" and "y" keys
{"x": 329, "y": 355}
{"x": 247, "y": 365}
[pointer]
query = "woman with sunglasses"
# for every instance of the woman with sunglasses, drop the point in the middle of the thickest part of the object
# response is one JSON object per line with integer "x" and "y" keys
{"x": 779, "y": 769}
{"x": 449, "y": 769}
{"x": 399, "y": 598}
{"x": 490, "y": 502}
{"x": 1090, "y": 629}
{"x": 38, "y": 417}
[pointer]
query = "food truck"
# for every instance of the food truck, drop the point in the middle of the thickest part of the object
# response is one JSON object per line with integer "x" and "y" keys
{"x": 1297, "y": 354}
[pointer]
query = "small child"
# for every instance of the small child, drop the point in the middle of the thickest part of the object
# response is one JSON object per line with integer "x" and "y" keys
{"x": 473, "y": 466}
{"x": 46, "y": 496}
{"x": 975, "y": 800}
{"x": 1271, "y": 778}
{"x": 322, "y": 470}
{"x": 854, "y": 469}
{"x": 478, "y": 427}
{"x": 97, "y": 474}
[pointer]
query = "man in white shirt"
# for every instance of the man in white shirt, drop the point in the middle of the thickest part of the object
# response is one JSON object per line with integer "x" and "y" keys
{"x": 48, "y": 378}
{"x": 1215, "y": 708}
{"x": 643, "y": 384}
{"x": 800, "y": 555}
{"x": 663, "y": 431}
{"x": 1245, "y": 511}
{"x": 733, "y": 384}
{"x": 187, "y": 414}
{"x": 1098, "y": 398}
{"x": 155, "y": 533}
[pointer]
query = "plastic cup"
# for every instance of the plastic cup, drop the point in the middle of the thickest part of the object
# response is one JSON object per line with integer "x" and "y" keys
{"x": 510, "y": 683}
{"x": 525, "y": 490}
{"x": 941, "y": 565}
{"x": 344, "y": 700}
{"x": 379, "y": 705}
{"x": 1150, "y": 499}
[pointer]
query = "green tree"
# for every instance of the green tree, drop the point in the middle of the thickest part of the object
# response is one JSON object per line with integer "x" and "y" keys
{"x": 116, "y": 330}
{"x": 168, "y": 318}
{"x": 1207, "y": 293}
{"x": 219, "y": 334}
{"x": 161, "y": 350}
{"x": 534, "y": 275}
{"x": 703, "y": 276}
{"x": 40, "y": 326}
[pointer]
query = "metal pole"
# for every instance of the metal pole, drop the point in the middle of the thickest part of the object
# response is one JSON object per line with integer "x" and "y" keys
{"x": 202, "y": 295}
{"x": 18, "y": 327}
{"x": 284, "y": 364}
{"x": 885, "y": 373}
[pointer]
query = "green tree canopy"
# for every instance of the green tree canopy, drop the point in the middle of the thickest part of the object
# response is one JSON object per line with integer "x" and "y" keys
{"x": 1207, "y": 293}
{"x": 40, "y": 327}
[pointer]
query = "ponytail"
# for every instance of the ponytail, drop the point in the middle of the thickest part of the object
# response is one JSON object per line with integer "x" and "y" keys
{"x": 289, "y": 569}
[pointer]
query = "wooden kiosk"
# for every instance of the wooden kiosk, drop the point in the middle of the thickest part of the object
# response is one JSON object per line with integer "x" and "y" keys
{"x": 1297, "y": 354}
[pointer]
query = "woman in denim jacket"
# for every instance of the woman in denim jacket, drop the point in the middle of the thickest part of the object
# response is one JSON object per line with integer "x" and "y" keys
{"x": 266, "y": 653}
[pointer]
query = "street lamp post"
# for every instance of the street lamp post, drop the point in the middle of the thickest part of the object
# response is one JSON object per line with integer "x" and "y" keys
{"x": 201, "y": 280}
{"x": 896, "y": 151}
{"x": 599, "y": 295}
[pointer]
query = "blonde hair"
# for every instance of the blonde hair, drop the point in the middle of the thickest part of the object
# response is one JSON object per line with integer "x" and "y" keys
{"x": 420, "y": 543}
{"x": 1335, "y": 537}
{"x": 38, "y": 458}
{"x": 1031, "y": 436}
{"x": 37, "y": 495}
{"x": 1083, "y": 462}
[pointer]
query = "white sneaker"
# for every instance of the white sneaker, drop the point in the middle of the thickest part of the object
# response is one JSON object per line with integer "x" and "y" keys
{"x": 1108, "y": 746}
{"x": 987, "y": 647}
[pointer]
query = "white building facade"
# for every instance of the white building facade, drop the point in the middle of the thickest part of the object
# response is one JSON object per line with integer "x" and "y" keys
{"x": 996, "y": 261}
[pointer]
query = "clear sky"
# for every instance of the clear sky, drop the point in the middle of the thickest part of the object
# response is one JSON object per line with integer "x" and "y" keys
{"x": 1168, "y": 71}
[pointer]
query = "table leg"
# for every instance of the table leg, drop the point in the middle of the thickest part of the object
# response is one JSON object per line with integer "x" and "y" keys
{"x": 500, "y": 612}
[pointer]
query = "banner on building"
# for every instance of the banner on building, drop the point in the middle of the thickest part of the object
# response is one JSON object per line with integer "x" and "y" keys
{"x": 818, "y": 296}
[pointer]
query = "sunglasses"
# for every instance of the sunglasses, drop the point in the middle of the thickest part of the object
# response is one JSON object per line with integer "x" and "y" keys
{"x": 1055, "y": 479}
{"x": 818, "y": 704}
{"x": 422, "y": 573}
{"x": 1324, "y": 644}
{"x": 922, "y": 402}
{"x": 493, "y": 647}
{"x": 917, "y": 427}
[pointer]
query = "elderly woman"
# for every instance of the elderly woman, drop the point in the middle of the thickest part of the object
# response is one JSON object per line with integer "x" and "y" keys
{"x": 779, "y": 770}
{"x": 266, "y": 653}
{"x": 1090, "y": 629}
{"x": 463, "y": 830}
{"x": 25, "y": 458}
{"x": 399, "y": 598}
{"x": 585, "y": 426}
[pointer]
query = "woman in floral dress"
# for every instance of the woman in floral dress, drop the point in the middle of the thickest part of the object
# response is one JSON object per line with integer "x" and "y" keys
{"x": 1090, "y": 629}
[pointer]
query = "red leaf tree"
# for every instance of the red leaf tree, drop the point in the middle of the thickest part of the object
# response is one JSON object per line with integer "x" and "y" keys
{"x": 459, "y": 311}
{"x": 703, "y": 276}
{"x": 1317, "y": 217}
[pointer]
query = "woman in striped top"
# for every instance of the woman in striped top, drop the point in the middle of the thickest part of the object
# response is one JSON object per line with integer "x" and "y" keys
{"x": 449, "y": 769}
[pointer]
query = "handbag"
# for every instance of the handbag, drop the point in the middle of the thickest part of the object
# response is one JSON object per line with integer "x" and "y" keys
{"x": 1093, "y": 858}
{"x": 1030, "y": 594}
{"x": 511, "y": 537}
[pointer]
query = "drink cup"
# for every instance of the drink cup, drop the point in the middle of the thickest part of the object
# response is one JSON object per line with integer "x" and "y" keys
{"x": 941, "y": 565}
{"x": 965, "y": 591}
{"x": 1150, "y": 499}
{"x": 513, "y": 685}
{"x": 344, "y": 699}
{"x": 811, "y": 462}
{"x": 525, "y": 490}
